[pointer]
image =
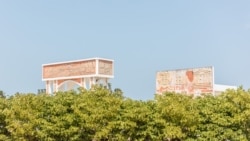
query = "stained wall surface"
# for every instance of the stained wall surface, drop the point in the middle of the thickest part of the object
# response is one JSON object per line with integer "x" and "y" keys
{"x": 78, "y": 68}
{"x": 105, "y": 67}
{"x": 187, "y": 81}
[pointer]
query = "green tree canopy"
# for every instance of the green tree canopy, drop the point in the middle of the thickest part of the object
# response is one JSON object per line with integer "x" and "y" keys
{"x": 100, "y": 114}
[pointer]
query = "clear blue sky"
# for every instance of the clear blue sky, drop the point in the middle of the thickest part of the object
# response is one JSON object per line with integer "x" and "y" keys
{"x": 142, "y": 36}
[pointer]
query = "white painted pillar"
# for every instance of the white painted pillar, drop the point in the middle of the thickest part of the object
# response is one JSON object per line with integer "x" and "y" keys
{"x": 47, "y": 87}
{"x": 54, "y": 86}
{"x": 90, "y": 82}
{"x": 83, "y": 83}
{"x": 93, "y": 80}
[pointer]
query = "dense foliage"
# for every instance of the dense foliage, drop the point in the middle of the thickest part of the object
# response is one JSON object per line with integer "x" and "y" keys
{"x": 103, "y": 115}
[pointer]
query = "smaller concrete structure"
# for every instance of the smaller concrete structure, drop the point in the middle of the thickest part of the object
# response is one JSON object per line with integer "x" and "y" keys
{"x": 221, "y": 88}
{"x": 63, "y": 76}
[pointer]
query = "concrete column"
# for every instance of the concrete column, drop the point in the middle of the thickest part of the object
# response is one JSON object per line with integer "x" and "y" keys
{"x": 54, "y": 86}
{"x": 90, "y": 82}
{"x": 47, "y": 87}
{"x": 93, "y": 79}
{"x": 83, "y": 83}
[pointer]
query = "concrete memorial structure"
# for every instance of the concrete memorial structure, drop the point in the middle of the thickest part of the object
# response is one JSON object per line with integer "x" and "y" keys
{"x": 192, "y": 81}
{"x": 84, "y": 73}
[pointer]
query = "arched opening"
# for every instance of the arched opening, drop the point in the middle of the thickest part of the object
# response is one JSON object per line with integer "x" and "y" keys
{"x": 68, "y": 85}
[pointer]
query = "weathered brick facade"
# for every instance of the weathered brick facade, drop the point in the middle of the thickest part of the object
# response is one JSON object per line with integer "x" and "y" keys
{"x": 83, "y": 73}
